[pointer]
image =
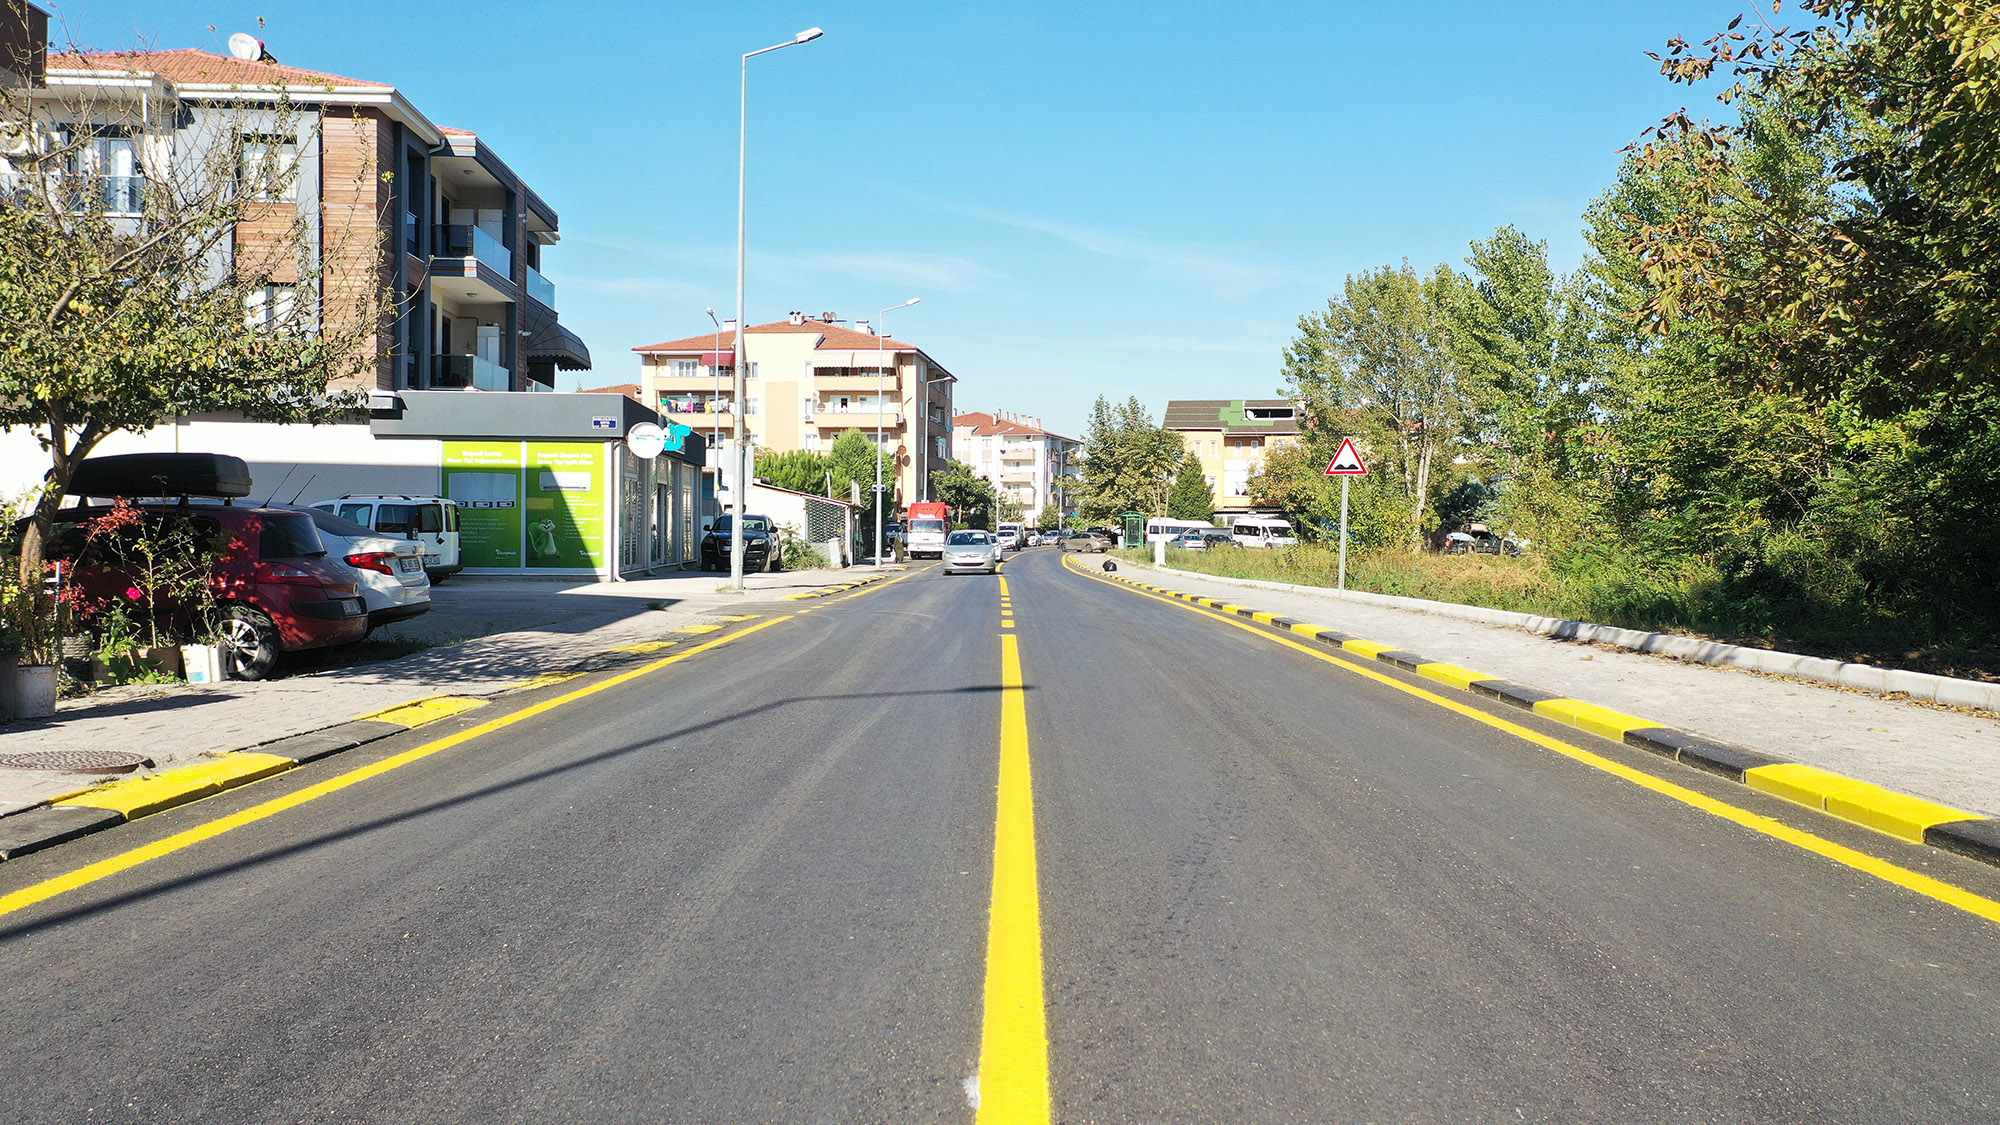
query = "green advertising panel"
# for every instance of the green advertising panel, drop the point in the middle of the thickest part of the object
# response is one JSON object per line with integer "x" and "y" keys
{"x": 485, "y": 478}
{"x": 564, "y": 491}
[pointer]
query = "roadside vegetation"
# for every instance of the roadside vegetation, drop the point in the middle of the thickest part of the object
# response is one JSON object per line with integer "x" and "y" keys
{"x": 1688, "y": 601}
{"x": 1763, "y": 407}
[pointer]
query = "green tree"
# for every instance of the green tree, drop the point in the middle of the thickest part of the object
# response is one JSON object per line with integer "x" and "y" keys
{"x": 1382, "y": 355}
{"x": 1050, "y": 519}
{"x": 112, "y": 324}
{"x": 799, "y": 470}
{"x": 1192, "y": 498}
{"x": 969, "y": 495}
{"x": 852, "y": 461}
{"x": 1128, "y": 462}
{"x": 1883, "y": 292}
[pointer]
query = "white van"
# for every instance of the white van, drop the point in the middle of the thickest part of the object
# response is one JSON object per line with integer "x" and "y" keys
{"x": 430, "y": 520}
{"x": 1261, "y": 531}
{"x": 1012, "y": 536}
{"x": 1160, "y": 527}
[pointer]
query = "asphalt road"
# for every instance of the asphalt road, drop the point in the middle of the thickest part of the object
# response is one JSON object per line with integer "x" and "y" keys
{"x": 754, "y": 886}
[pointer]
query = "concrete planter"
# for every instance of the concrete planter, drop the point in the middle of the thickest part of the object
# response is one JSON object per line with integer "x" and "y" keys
{"x": 164, "y": 659}
{"x": 34, "y": 691}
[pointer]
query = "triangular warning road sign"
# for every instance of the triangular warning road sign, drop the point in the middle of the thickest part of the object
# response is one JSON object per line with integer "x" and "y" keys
{"x": 1347, "y": 462}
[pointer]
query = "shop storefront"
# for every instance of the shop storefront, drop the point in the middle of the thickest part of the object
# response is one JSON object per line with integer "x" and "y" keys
{"x": 548, "y": 484}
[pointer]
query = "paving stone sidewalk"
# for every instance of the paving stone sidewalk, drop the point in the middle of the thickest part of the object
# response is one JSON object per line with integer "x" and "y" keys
{"x": 521, "y": 629}
{"x": 1949, "y": 756}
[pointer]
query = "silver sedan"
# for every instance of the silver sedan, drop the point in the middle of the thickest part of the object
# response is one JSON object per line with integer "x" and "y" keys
{"x": 971, "y": 550}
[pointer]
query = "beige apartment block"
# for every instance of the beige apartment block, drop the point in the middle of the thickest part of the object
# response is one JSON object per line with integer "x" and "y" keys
{"x": 808, "y": 381}
{"x": 1232, "y": 438}
{"x": 1029, "y": 464}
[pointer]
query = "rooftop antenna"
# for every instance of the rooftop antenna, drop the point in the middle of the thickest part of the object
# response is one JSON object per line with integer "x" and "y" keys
{"x": 249, "y": 48}
{"x": 302, "y": 488}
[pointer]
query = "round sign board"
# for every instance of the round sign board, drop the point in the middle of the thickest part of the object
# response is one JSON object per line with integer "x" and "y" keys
{"x": 646, "y": 441}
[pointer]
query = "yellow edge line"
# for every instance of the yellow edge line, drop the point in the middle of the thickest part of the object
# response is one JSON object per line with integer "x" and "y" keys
{"x": 1014, "y": 1044}
{"x": 1776, "y": 829}
{"x": 104, "y": 868}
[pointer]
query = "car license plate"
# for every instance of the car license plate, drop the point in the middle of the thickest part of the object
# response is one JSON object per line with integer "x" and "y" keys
{"x": 408, "y": 565}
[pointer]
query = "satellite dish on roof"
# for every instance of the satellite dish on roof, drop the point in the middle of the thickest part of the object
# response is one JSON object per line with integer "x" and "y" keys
{"x": 246, "y": 46}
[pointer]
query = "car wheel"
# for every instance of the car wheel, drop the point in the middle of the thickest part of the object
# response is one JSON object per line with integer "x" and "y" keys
{"x": 774, "y": 563}
{"x": 248, "y": 640}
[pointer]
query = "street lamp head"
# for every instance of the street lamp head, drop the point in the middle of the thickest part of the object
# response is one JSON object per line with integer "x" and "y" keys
{"x": 808, "y": 35}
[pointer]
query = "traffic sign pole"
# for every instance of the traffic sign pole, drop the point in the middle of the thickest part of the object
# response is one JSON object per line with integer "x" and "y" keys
{"x": 1341, "y": 582}
{"x": 1346, "y": 463}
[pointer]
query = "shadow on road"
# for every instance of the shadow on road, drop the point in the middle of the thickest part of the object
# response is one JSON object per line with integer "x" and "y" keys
{"x": 9, "y": 933}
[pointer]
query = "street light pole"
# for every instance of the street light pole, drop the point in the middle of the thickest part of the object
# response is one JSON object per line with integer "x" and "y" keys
{"x": 742, "y": 490}
{"x": 882, "y": 331}
{"x": 715, "y": 400}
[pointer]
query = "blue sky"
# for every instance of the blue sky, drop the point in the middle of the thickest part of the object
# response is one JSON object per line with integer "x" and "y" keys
{"x": 1090, "y": 198}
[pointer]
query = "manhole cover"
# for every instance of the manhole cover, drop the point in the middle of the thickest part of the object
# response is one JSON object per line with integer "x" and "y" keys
{"x": 75, "y": 761}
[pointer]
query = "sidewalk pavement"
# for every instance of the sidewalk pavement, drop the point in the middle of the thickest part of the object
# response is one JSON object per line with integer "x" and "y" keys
{"x": 1947, "y": 755}
{"x": 490, "y": 635}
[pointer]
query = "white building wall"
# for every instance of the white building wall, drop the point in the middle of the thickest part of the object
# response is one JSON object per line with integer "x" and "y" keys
{"x": 291, "y": 464}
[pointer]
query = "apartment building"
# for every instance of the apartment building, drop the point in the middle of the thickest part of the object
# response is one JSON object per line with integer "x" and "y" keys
{"x": 1026, "y": 462}
{"x": 424, "y": 238}
{"x": 387, "y": 199}
{"x": 1232, "y": 438}
{"x": 808, "y": 381}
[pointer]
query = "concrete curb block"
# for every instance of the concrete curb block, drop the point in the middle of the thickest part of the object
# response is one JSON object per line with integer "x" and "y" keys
{"x": 1864, "y": 677}
{"x": 45, "y": 827}
{"x": 1894, "y": 814}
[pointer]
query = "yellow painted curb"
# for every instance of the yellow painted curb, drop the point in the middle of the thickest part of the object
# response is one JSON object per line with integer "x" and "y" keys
{"x": 1460, "y": 678}
{"x": 740, "y": 617}
{"x": 1807, "y": 785}
{"x": 698, "y": 629}
{"x": 1589, "y": 716}
{"x": 419, "y": 712}
{"x": 644, "y": 647}
{"x": 142, "y": 796}
{"x": 1264, "y": 618}
{"x": 546, "y": 679}
{"x": 1897, "y": 814}
{"x": 1365, "y": 648}
{"x": 1308, "y": 630}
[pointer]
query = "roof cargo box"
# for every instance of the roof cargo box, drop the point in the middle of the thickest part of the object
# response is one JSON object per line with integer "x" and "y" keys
{"x": 134, "y": 475}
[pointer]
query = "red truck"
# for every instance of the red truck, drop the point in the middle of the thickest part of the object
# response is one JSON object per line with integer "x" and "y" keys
{"x": 925, "y": 529}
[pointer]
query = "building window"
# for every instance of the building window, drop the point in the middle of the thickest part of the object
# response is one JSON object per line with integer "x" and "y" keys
{"x": 274, "y": 307}
{"x": 268, "y": 169}
{"x": 683, "y": 368}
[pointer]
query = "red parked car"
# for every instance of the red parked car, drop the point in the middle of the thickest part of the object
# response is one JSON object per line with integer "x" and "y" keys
{"x": 276, "y": 589}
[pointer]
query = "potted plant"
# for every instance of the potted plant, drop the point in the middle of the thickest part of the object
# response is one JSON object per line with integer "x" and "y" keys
{"x": 170, "y": 563}
{"x": 34, "y": 619}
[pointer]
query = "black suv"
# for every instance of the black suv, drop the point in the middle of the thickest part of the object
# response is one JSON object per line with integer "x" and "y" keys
{"x": 759, "y": 545}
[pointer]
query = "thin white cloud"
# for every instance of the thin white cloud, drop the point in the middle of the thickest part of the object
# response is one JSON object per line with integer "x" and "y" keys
{"x": 1236, "y": 280}
{"x": 934, "y": 272}
{"x": 939, "y": 273}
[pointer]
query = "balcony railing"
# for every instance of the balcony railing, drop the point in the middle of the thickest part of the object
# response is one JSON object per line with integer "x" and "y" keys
{"x": 463, "y": 240}
{"x": 541, "y": 288}
{"x": 83, "y": 194}
{"x": 470, "y": 371}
